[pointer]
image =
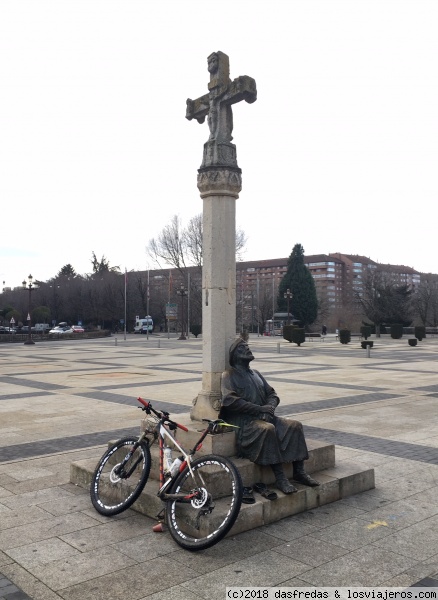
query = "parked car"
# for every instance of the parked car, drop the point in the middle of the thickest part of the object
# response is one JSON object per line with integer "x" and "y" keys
{"x": 61, "y": 329}
{"x": 6, "y": 330}
{"x": 77, "y": 329}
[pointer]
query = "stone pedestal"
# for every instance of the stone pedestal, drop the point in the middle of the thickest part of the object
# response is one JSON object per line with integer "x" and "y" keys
{"x": 336, "y": 481}
{"x": 219, "y": 187}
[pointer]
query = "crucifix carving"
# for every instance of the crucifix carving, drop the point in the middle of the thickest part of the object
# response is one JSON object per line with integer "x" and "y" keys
{"x": 216, "y": 106}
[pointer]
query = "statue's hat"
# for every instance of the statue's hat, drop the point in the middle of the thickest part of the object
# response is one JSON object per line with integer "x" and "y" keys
{"x": 233, "y": 348}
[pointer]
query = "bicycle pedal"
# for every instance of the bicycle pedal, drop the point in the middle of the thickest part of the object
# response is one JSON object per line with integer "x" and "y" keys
{"x": 159, "y": 528}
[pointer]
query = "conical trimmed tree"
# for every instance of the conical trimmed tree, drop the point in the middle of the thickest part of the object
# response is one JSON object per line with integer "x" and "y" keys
{"x": 304, "y": 303}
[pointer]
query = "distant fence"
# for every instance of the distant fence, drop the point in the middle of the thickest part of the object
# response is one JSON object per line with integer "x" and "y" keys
{"x": 48, "y": 337}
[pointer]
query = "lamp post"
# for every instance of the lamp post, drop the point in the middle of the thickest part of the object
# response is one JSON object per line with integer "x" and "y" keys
{"x": 182, "y": 292}
{"x": 29, "y": 286}
{"x": 288, "y": 294}
{"x": 55, "y": 286}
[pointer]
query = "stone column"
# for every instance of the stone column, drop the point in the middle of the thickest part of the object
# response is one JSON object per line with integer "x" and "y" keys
{"x": 219, "y": 181}
{"x": 219, "y": 188}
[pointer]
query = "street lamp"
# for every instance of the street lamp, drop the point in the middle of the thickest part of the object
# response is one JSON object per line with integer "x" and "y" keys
{"x": 29, "y": 286}
{"x": 288, "y": 294}
{"x": 55, "y": 286}
{"x": 182, "y": 292}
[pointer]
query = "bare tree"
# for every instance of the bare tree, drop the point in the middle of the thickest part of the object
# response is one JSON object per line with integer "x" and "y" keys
{"x": 383, "y": 301}
{"x": 241, "y": 241}
{"x": 265, "y": 301}
{"x": 181, "y": 247}
{"x": 425, "y": 300}
{"x": 193, "y": 240}
{"x": 324, "y": 308}
{"x": 170, "y": 246}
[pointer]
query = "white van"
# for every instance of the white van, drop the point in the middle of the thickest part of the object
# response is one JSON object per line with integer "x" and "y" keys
{"x": 144, "y": 325}
{"x": 42, "y": 327}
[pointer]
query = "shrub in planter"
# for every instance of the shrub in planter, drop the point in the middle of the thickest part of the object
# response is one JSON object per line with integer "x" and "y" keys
{"x": 396, "y": 331}
{"x": 287, "y": 332}
{"x": 298, "y": 336}
{"x": 196, "y": 329}
{"x": 367, "y": 343}
{"x": 294, "y": 334}
{"x": 344, "y": 336}
{"x": 365, "y": 331}
{"x": 412, "y": 342}
{"x": 420, "y": 332}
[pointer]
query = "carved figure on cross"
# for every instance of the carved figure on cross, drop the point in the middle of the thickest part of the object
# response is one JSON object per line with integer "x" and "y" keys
{"x": 216, "y": 105}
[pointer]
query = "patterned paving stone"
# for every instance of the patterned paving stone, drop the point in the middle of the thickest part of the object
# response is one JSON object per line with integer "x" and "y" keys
{"x": 23, "y": 395}
{"x": 371, "y": 444}
{"x": 62, "y": 444}
{"x": 9, "y": 591}
{"x": 335, "y": 402}
{"x": 31, "y": 383}
{"x": 346, "y": 558}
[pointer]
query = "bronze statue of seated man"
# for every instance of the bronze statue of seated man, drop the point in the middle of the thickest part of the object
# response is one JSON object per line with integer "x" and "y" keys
{"x": 249, "y": 402}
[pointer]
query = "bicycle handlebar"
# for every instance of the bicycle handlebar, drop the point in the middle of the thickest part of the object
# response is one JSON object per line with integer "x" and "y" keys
{"x": 160, "y": 414}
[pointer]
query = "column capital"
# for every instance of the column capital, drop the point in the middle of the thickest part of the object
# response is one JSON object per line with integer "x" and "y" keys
{"x": 219, "y": 181}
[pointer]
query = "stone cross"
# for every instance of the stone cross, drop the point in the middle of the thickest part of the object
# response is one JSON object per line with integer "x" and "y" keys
{"x": 216, "y": 106}
{"x": 219, "y": 182}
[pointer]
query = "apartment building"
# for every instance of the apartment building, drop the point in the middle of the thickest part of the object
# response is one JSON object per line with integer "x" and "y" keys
{"x": 338, "y": 278}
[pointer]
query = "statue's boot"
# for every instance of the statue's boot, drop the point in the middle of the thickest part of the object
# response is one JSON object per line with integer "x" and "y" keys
{"x": 285, "y": 486}
{"x": 301, "y": 476}
{"x": 281, "y": 481}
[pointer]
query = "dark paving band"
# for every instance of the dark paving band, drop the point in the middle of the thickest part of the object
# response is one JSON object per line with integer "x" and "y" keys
{"x": 417, "y": 452}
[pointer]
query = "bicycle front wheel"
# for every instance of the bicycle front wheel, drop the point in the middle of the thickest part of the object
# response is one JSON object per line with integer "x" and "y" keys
{"x": 208, "y": 504}
{"x": 120, "y": 476}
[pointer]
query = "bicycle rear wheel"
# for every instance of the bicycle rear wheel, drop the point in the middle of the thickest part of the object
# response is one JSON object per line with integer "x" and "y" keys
{"x": 213, "y": 498}
{"x": 120, "y": 476}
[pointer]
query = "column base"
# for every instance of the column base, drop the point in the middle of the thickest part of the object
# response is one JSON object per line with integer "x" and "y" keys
{"x": 206, "y": 406}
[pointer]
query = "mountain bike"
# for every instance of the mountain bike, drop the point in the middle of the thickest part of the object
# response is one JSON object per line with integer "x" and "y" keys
{"x": 202, "y": 496}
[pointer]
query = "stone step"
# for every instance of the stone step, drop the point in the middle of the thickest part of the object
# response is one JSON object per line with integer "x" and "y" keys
{"x": 321, "y": 456}
{"x": 337, "y": 482}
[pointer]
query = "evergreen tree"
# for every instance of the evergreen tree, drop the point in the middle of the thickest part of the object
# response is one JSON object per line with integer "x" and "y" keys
{"x": 67, "y": 271}
{"x": 304, "y": 303}
{"x": 102, "y": 266}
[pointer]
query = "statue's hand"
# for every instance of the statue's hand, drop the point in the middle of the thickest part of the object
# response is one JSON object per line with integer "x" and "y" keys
{"x": 267, "y": 412}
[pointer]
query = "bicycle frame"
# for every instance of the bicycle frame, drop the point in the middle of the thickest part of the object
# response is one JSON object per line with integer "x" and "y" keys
{"x": 163, "y": 433}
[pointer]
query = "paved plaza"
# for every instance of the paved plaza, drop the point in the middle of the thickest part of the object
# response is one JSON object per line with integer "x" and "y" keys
{"x": 62, "y": 401}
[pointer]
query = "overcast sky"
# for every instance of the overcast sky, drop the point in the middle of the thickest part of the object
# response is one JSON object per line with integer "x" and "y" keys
{"x": 339, "y": 153}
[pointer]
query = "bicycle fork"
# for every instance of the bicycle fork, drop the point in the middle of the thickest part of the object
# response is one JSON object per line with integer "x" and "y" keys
{"x": 119, "y": 471}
